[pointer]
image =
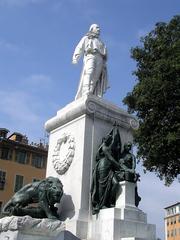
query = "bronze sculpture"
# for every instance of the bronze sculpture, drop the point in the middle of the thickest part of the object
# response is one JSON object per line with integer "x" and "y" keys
{"x": 112, "y": 166}
{"x": 45, "y": 193}
{"x": 127, "y": 163}
{"x": 105, "y": 182}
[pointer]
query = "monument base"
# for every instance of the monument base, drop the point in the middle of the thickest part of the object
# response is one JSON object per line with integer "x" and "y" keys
{"x": 124, "y": 222}
{"x": 109, "y": 225}
{"x": 76, "y": 133}
{"x": 27, "y": 228}
{"x": 18, "y": 235}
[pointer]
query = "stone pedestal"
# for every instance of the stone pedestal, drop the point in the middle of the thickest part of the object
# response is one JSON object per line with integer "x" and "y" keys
{"x": 27, "y": 228}
{"x": 124, "y": 222}
{"x": 22, "y": 235}
{"x": 126, "y": 195}
{"x": 75, "y": 135}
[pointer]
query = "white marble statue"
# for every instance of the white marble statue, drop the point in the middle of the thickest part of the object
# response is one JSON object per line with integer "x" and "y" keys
{"x": 94, "y": 74}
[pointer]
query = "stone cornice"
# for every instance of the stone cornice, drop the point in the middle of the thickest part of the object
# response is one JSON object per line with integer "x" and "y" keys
{"x": 94, "y": 107}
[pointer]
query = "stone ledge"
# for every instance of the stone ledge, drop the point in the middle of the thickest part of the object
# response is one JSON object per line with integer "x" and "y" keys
{"x": 34, "y": 226}
{"x": 133, "y": 238}
{"x": 95, "y": 107}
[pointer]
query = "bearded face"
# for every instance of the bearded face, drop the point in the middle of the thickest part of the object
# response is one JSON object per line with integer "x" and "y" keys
{"x": 94, "y": 28}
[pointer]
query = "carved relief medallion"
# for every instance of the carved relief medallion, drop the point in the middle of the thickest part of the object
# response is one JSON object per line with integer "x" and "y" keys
{"x": 134, "y": 124}
{"x": 63, "y": 153}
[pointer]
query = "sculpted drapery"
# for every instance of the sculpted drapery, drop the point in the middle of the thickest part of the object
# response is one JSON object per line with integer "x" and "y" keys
{"x": 93, "y": 78}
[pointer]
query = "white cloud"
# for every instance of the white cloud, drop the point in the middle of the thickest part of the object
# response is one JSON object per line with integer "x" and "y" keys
{"x": 38, "y": 80}
{"x": 37, "y": 84}
{"x": 17, "y": 106}
{"x": 24, "y": 104}
{"x": 23, "y": 107}
{"x": 5, "y": 45}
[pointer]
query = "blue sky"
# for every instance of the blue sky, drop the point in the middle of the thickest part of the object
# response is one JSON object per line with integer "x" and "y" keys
{"x": 37, "y": 40}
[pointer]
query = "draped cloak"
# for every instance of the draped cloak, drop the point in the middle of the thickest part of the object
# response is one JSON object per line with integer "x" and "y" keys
{"x": 95, "y": 48}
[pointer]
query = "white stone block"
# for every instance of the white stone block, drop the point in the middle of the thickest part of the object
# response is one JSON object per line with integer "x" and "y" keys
{"x": 132, "y": 238}
{"x": 108, "y": 224}
{"x": 87, "y": 121}
{"x": 8, "y": 235}
{"x": 28, "y": 228}
{"x": 66, "y": 235}
{"x": 126, "y": 196}
{"x": 18, "y": 235}
{"x": 126, "y": 202}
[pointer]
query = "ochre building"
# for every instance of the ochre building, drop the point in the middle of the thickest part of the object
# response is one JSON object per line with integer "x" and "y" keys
{"x": 20, "y": 163}
{"x": 172, "y": 222}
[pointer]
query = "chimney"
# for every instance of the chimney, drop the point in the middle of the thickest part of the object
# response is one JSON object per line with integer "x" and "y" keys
{"x": 3, "y": 132}
{"x": 18, "y": 137}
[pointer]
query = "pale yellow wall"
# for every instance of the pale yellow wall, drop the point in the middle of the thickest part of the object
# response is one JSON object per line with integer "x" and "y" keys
{"x": 12, "y": 169}
{"x": 173, "y": 226}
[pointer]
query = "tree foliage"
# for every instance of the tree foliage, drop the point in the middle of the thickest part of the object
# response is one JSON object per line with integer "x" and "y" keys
{"x": 155, "y": 99}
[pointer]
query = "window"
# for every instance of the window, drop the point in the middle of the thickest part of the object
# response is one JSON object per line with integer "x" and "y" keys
{"x": 167, "y": 233}
{"x": 174, "y": 220}
{"x": 22, "y": 157}
{"x": 6, "y": 153}
{"x": 35, "y": 180}
{"x": 38, "y": 161}
{"x": 2, "y": 179}
{"x": 18, "y": 182}
{"x": 175, "y": 232}
{"x": 172, "y": 233}
{"x": 168, "y": 222}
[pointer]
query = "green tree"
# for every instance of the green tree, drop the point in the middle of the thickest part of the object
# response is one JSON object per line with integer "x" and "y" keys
{"x": 155, "y": 100}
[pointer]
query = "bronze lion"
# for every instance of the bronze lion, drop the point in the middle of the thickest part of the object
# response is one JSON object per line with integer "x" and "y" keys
{"x": 44, "y": 193}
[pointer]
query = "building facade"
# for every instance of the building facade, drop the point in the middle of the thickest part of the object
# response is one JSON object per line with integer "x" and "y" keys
{"x": 20, "y": 163}
{"x": 172, "y": 222}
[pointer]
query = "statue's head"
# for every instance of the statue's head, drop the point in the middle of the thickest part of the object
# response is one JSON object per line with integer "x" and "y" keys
{"x": 94, "y": 28}
{"x": 107, "y": 140}
{"x": 128, "y": 146}
{"x": 54, "y": 190}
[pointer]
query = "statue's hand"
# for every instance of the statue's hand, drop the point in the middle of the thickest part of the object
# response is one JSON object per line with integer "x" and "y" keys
{"x": 105, "y": 58}
{"x": 74, "y": 61}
